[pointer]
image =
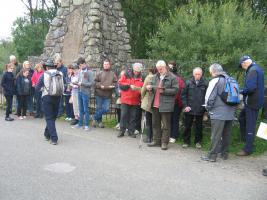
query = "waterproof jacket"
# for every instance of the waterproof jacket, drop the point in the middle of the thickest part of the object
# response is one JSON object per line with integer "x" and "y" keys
{"x": 167, "y": 97}
{"x": 8, "y": 83}
{"x": 193, "y": 96}
{"x": 106, "y": 78}
{"x": 129, "y": 96}
{"x": 23, "y": 85}
{"x": 145, "y": 94}
{"x": 253, "y": 90}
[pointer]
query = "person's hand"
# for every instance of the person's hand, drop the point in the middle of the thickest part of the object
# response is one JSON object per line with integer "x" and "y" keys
{"x": 111, "y": 86}
{"x": 161, "y": 89}
{"x": 187, "y": 109}
{"x": 132, "y": 87}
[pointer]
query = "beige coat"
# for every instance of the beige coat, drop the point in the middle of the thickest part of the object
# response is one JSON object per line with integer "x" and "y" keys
{"x": 146, "y": 97}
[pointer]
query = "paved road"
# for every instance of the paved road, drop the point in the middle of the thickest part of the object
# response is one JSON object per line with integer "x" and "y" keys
{"x": 97, "y": 165}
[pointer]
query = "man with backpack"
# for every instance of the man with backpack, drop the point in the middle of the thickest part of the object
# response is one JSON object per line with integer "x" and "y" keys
{"x": 221, "y": 114}
{"x": 253, "y": 95}
{"x": 52, "y": 86}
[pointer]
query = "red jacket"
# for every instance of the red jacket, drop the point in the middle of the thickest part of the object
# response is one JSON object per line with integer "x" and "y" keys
{"x": 35, "y": 77}
{"x": 129, "y": 96}
{"x": 178, "y": 99}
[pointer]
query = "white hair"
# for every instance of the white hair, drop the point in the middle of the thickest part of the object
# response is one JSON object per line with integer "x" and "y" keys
{"x": 12, "y": 57}
{"x": 161, "y": 63}
{"x": 198, "y": 69}
{"x": 216, "y": 69}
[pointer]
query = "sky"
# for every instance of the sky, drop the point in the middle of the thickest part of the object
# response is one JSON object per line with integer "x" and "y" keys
{"x": 9, "y": 11}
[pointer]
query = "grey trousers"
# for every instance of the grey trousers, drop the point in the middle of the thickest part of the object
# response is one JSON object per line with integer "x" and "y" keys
{"x": 161, "y": 122}
{"x": 220, "y": 136}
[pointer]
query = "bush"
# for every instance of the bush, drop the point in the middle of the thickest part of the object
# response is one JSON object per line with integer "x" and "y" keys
{"x": 200, "y": 34}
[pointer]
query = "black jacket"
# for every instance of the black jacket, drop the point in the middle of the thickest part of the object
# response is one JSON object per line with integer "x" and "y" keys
{"x": 8, "y": 84}
{"x": 193, "y": 95}
{"x": 22, "y": 87}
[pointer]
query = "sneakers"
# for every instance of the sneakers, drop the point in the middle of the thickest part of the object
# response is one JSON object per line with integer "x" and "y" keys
{"x": 77, "y": 126}
{"x": 172, "y": 140}
{"x": 153, "y": 144}
{"x": 20, "y": 117}
{"x": 136, "y": 132}
{"x": 198, "y": 145}
{"x": 68, "y": 119}
{"x": 185, "y": 146}
{"x": 87, "y": 128}
{"x": 53, "y": 142}
{"x": 208, "y": 158}
{"x": 101, "y": 125}
{"x": 74, "y": 122}
{"x": 117, "y": 126}
{"x": 121, "y": 134}
{"x": 24, "y": 117}
{"x": 9, "y": 119}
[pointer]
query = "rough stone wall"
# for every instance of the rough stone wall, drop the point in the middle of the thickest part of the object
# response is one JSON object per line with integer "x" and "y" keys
{"x": 94, "y": 29}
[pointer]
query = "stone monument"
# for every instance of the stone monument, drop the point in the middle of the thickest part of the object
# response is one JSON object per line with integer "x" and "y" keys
{"x": 93, "y": 29}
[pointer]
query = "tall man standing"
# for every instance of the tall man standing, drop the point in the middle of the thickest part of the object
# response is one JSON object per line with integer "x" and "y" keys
{"x": 163, "y": 88}
{"x": 105, "y": 83}
{"x": 253, "y": 95}
{"x": 193, "y": 97}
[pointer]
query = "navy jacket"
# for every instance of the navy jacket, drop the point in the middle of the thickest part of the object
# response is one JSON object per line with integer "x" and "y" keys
{"x": 253, "y": 90}
{"x": 8, "y": 83}
{"x": 22, "y": 88}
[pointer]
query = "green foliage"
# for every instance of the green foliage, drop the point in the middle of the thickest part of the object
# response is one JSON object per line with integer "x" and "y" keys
{"x": 6, "y": 49}
{"x": 200, "y": 34}
{"x": 29, "y": 33}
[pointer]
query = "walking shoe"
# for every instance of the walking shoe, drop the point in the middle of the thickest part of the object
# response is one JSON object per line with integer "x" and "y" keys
{"x": 264, "y": 172}
{"x": 172, "y": 140}
{"x": 153, "y": 144}
{"x": 185, "y": 145}
{"x": 198, "y": 145}
{"x": 117, "y": 126}
{"x": 87, "y": 128}
{"x": 9, "y": 119}
{"x": 136, "y": 132}
{"x": 101, "y": 125}
{"x": 121, "y": 134}
{"x": 53, "y": 142}
{"x": 20, "y": 117}
{"x": 164, "y": 146}
{"x": 77, "y": 126}
{"x": 94, "y": 123}
{"x": 24, "y": 117}
{"x": 74, "y": 122}
{"x": 242, "y": 153}
{"x": 208, "y": 158}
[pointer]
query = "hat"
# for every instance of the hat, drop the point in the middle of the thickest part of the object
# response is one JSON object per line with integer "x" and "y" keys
{"x": 137, "y": 67}
{"x": 243, "y": 59}
{"x": 49, "y": 63}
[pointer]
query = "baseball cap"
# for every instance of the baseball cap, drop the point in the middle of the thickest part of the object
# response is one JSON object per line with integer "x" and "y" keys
{"x": 243, "y": 59}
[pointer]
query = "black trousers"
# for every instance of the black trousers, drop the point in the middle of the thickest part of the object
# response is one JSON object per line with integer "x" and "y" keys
{"x": 22, "y": 105}
{"x": 189, "y": 119}
{"x": 128, "y": 118}
{"x": 9, "y": 99}
{"x": 149, "y": 125}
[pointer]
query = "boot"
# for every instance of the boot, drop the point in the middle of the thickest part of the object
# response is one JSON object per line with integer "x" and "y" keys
{"x": 121, "y": 134}
{"x": 164, "y": 146}
{"x": 153, "y": 144}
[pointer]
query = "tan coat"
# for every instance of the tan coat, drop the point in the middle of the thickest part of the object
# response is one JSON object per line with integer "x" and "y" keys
{"x": 146, "y": 97}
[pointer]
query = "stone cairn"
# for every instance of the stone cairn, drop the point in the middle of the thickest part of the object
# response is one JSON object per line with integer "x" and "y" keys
{"x": 93, "y": 29}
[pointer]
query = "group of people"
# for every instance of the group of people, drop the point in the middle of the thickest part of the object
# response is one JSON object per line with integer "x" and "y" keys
{"x": 157, "y": 99}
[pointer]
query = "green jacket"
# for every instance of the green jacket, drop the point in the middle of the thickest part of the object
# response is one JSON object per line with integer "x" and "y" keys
{"x": 167, "y": 97}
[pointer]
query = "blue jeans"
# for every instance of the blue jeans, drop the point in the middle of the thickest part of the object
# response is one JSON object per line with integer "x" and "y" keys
{"x": 102, "y": 107}
{"x": 30, "y": 103}
{"x": 50, "y": 106}
{"x": 83, "y": 100}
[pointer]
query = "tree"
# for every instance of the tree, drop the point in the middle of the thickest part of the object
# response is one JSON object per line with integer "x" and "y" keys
{"x": 200, "y": 34}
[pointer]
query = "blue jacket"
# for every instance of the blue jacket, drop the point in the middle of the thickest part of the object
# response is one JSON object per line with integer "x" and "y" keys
{"x": 253, "y": 90}
{"x": 8, "y": 84}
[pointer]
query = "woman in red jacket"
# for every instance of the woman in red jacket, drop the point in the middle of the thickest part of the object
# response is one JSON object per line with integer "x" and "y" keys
{"x": 130, "y": 85}
{"x": 38, "y": 95}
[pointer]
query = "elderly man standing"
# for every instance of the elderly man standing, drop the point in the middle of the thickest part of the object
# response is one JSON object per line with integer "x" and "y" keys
{"x": 221, "y": 115}
{"x": 105, "y": 82}
{"x": 193, "y": 97}
{"x": 253, "y": 95}
{"x": 163, "y": 88}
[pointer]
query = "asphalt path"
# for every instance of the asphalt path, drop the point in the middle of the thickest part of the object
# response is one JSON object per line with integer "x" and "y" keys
{"x": 97, "y": 165}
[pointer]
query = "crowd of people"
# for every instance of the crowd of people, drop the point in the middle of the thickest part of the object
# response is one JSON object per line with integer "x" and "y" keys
{"x": 153, "y": 96}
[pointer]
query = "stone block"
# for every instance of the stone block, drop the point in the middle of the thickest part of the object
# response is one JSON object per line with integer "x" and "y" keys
{"x": 94, "y": 5}
{"x": 77, "y": 2}
{"x": 65, "y": 3}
